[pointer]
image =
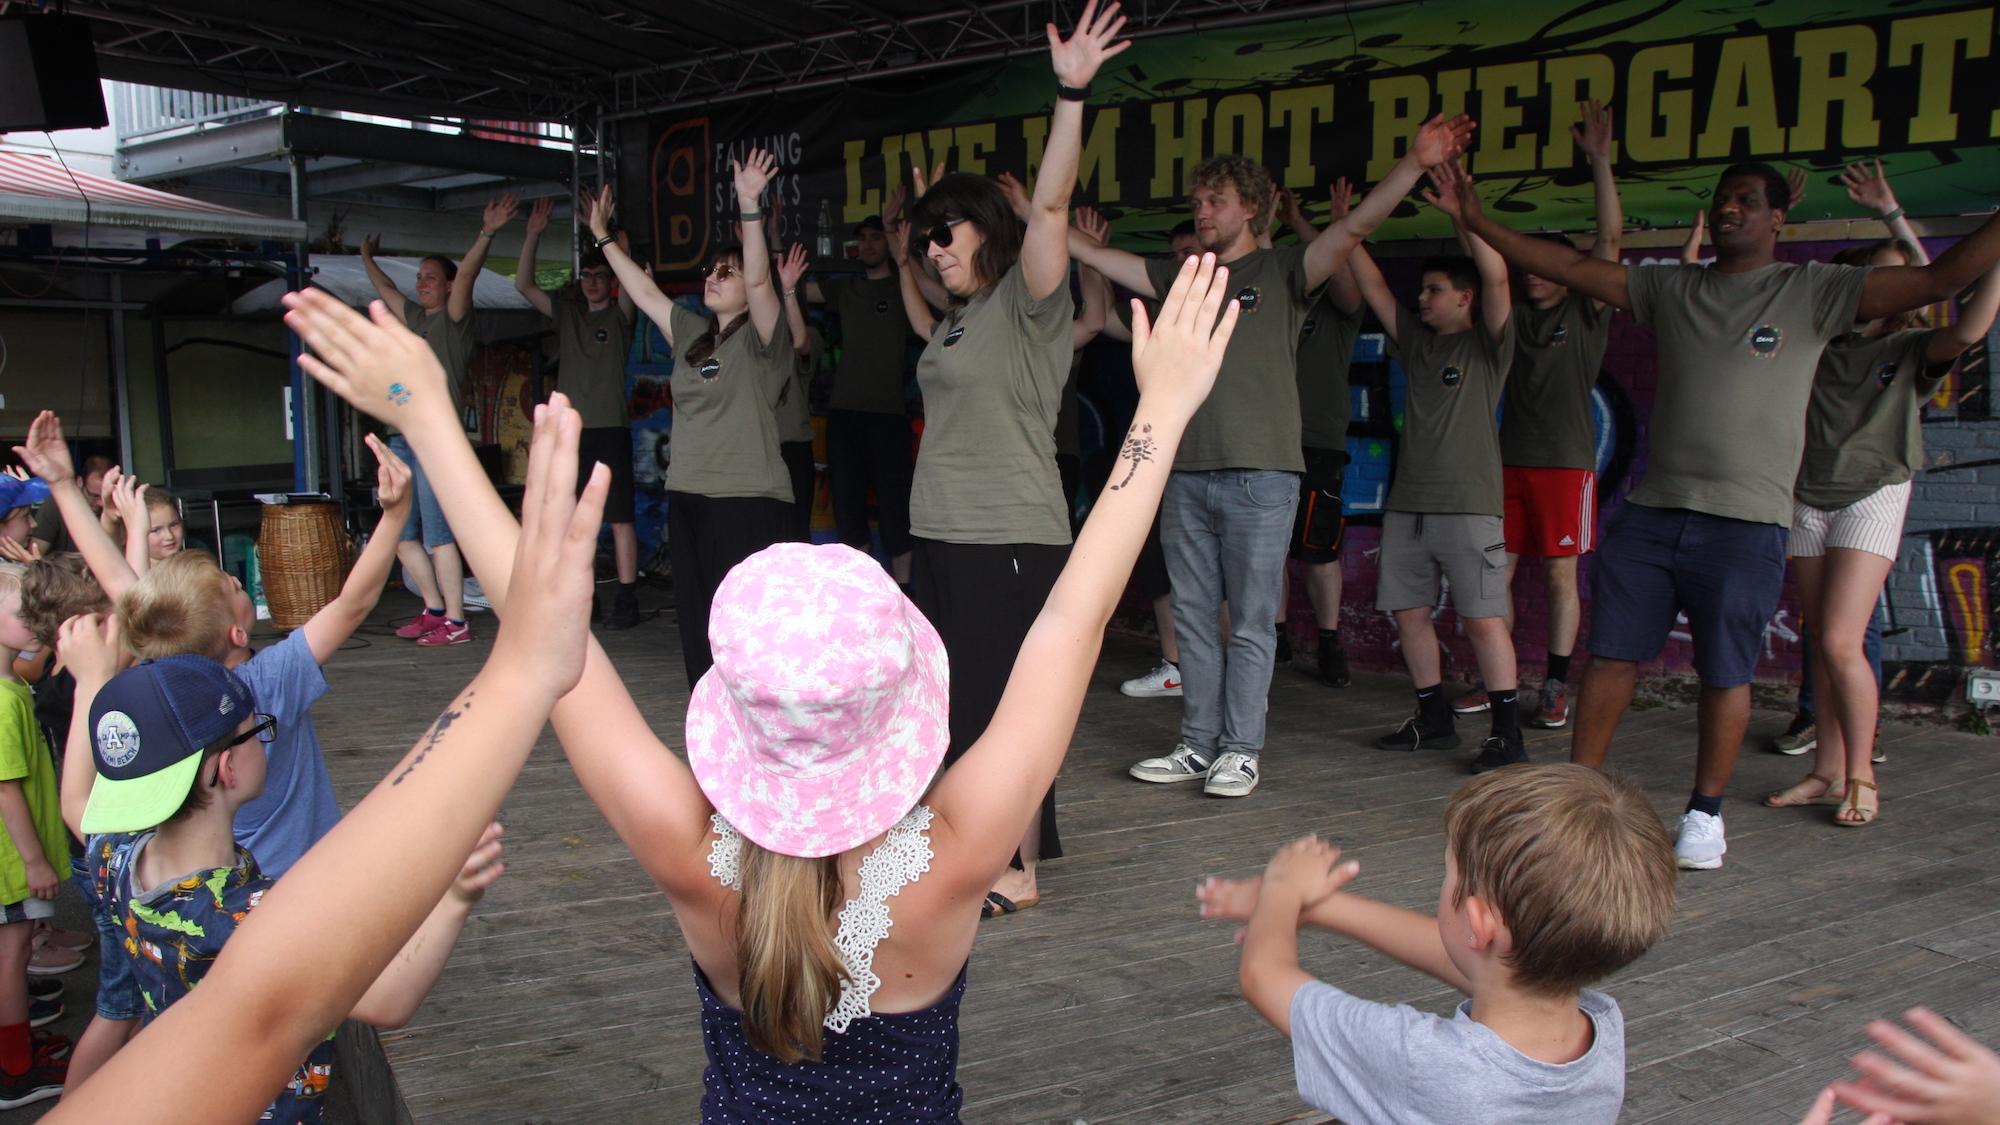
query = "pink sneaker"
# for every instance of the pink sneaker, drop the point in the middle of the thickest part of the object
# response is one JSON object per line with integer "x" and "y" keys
{"x": 445, "y": 633}
{"x": 420, "y": 625}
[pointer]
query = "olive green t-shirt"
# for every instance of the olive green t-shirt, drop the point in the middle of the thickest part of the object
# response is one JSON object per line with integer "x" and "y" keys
{"x": 1068, "y": 442}
{"x": 1449, "y": 458}
{"x": 1549, "y": 422}
{"x": 1326, "y": 351}
{"x": 450, "y": 340}
{"x": 1251, "y": 418}
{"x": 794, "y": 402}
{"x": 1864, "y": 428}
{"x": 725, "y": 437}
{"x": 1737, "y": 356}
{"x": 591, "y": 348}
{"x": 50, "y": 528}
{"x": 992, "y": 378}
{"x": 874, "y": 332}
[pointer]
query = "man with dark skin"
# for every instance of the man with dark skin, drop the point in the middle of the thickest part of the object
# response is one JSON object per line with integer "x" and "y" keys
{"x": 1704, "y": 532}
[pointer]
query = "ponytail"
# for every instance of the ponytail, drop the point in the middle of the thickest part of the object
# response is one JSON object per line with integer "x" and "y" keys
{"x": 789, "y": 971}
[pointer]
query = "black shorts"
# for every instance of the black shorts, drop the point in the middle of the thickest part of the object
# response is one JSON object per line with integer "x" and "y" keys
{"x": 1317, "y": 527}
{"x": 613, "y": 446}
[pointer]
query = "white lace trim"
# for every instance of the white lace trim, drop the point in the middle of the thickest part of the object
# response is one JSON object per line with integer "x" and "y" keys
{"x": 899, "y": 860}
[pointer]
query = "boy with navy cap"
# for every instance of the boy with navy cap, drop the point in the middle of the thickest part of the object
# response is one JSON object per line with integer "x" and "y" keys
{"x": 178, "y": 747}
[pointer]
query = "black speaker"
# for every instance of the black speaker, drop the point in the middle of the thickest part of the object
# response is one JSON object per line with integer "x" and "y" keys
{"x": 48, "y": 74}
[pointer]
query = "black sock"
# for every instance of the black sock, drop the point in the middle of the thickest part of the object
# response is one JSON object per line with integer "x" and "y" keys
{"x": 1506, "y": 713}
{"x": 1559, "y": 667}
{"x": 439, "y": 612}
{"x": 1432, "y": 707}
{"x": 454, "y": 621}
{"x": 1701, "y": 802}
{"x": 1330, "y": 637}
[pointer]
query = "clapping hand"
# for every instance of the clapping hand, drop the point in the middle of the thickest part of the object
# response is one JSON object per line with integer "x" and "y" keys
{"x": 1310, "y": 868}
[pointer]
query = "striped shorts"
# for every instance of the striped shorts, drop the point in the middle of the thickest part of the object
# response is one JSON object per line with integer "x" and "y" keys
{"x": 1873, "y": 524}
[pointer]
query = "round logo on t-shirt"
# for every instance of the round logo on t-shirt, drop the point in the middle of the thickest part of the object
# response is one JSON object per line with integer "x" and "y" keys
{"x": 1452, "y": 376}
{"x": 600, "y": 335}
{"x": 954, "y": 336}
{"x": 1560, "y": 336}
{"x": 1886, "y": 375}
{"x": 710, "y": 368}
{"x": 1306, "y": 329}
{"x": 1766, "y": 340}
{"x": 117, "y": 739}
{"x": 1248, "y": 297}
{"x": 882, "y": 306}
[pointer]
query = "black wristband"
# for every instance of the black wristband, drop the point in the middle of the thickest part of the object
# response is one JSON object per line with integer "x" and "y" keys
{"x": 606, "y": 241}
{"x": 1072, "y": 93}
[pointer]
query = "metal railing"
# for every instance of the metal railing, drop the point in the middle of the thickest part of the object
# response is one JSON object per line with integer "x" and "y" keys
{"x": 147, "y": 112}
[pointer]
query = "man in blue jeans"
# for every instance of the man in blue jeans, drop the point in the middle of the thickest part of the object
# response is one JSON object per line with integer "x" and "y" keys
{"x": 1704, "y": 532}
{"x": 1226, "y": 518}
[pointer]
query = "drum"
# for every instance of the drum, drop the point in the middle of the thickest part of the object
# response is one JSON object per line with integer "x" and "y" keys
{"x": 304, "y": 555}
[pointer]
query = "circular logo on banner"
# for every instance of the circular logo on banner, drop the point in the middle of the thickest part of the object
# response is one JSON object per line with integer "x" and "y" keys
{"x": 710, "y": 368}
{"x": 882, "y": 306}
{"x": 1248, "y": 297}
{"x": 954, "y": 336}
{"x": 601, "y": 335}
{"x": 1766, "y": 340}
{"x": 1452, "y": 376}
{"x": 117, "y": 739}
{"x": 1886, "y": 375}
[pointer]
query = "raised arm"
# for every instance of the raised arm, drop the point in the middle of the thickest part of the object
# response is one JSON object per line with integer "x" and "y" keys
{"x": 1438, "y": 142}
{"x": 632, "y": 279}
{"x": 645, "y": 791}
{"x": 531, "y": 241}
{"x": 384, "y": 288}
{"x": 1044, "y": 248}
{"x": 1869, "y": 187}
{"x": 255, "y": 1015}
{"x": 127, "y": 496}
{"x": 750, "y": 176}
{"x": 1691, "y": 249}
{"x": 1594, "y": 136}
{"x": 896, "y": 226}
{"x": 1301, "y": 875}
{"x": 1346, "y": 293}
{"x": 1374, "y": 289}
{"x": 1496, "y": 302}
{"x": 47, "y": 456}
{"x": 498, "y": 212}
{"x": 1975, "y": 319}
{"x": 397, "y": 994}
{"x": 987, "y": 797}
{"x": 791, "y": 267}
{"x": 1893, "y": 289}
{"x": 1593, "y": 277}
{"x": 328, "y": 629}
{"x": 1095, "y": 312}
{"x": 93, "y": 649}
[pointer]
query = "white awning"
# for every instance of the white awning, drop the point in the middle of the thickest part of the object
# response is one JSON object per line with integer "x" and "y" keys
{"x": 346, "y": 278}
{"x": 36, "y": 189}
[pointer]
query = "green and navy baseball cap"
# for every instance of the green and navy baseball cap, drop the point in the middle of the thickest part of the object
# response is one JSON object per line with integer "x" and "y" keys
{"x": 148, "y": 727}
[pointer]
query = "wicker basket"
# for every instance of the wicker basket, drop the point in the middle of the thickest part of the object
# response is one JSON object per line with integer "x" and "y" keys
{"x": 304, "y": 556}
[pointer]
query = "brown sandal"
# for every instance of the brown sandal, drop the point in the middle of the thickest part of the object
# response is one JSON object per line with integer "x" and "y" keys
{"x": 1784, "y": 798}
{"x": 1862, "y": 817}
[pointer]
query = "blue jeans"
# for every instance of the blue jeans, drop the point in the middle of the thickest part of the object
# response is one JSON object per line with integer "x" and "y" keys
{"x": 1225, "y": 533}
{"x": 426, "y": 520}
{"x": 1871, "y": 644}
{"x": 118, "y": 995}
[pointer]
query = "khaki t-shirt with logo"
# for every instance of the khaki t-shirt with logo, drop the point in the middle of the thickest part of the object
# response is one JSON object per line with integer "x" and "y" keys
{"x": 1737, "y": 356}
{"x": 725, "y": 436}
{"x": 591, "y": 348}
{"x": 794, "y": 402}
{"x": 450, "y": 340}
{"x": 1251, "y": 418}
{"x": 874, "y": 331}
{"x": 1549, "y": 422}
{"x": 1449, "y": 456}
{"x": 1864, "y": 429}
{"x": 992, "y": 379}
{"x": 1326, "y": 351}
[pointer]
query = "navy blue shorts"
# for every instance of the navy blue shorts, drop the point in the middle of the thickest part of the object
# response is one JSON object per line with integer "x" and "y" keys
{"x": 1725, "y": 574}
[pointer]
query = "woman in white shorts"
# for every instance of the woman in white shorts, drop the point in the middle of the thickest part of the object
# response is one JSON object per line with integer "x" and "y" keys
{"x": 1863, "y": 445}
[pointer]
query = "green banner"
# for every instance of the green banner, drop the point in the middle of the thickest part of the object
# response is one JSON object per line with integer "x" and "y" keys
{"x": 1693, "y": 87}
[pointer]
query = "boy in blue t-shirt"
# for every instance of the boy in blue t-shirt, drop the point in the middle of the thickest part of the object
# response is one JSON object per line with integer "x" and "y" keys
{"x": 178, "y": 752}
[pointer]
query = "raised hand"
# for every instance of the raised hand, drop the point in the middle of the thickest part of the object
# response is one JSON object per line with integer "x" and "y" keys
{"x": 371, "y": 246}
{"x": 1311, "y": 868}
{"x": 791, "y": 267}
{"x": 1340, "y": 199}
{"x": 481, "y": 868}
{"x": 1795, "y": 179}
{"x": 1092, "y": 225}
{"x": 46, "y": 454}
{"x": 1175, "y": 359}
{"x": 896, "y": 226}
{"x": 1077, "y": 58}
{"x": 127, "y": 495}
{"x": 601, "y": 208}
{"x": 1016, "y": 193}
{"x": 1440, "y": 141}
{"x": 1593, "y": 133}
{"x": 1945, "y": 1076}
{"x": 499, "y": 211}
{"x": 380, "y": 367}
{"x": 917, "y": 175}
{"x": 1288, "y": 209}
{"x": 1869, "y": 187}
{"x": 892, "y": 206}
{"x": 1691, "y": 250}
{"x": 751, "y": 175}
{"x": 392, "y": 480}
{"x": 1231, "y": 899}
{"x": 555, "y": 556}
{"x": 538, "y": 215}
{"x": 1453, "y": 187}
{"x": 93, "y": 648}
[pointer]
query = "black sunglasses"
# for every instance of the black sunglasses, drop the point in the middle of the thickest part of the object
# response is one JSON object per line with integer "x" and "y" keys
{"x": 940, "y": 235}
{"x": 265, "y": 730}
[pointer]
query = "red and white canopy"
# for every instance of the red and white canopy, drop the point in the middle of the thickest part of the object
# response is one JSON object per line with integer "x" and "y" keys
{"x": 36, "y": 189}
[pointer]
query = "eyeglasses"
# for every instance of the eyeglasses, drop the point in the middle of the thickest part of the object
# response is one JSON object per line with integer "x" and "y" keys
{"x": 940, "y": 235}
{"x": 264, "y": 731}
{"x": 722, "y": 271}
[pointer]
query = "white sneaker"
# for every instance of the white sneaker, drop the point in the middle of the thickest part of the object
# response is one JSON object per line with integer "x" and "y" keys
{"x": 1181, "y": 765}
{"x": 1700, "y": 844}
{"x": 1160, "y": 683}
{"x": 1233, "y": 775}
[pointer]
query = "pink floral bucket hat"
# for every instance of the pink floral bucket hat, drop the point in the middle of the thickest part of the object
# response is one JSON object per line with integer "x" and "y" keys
{"x": 826, "y": 712}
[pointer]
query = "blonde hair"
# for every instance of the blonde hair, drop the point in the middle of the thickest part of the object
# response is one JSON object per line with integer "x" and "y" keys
{"x": 788, "y": 969}
{"x": 156, "y": 498}
{"x": 55, "y": 589}
{"x": 180, "y": 606}
{"x": 1578, "y": 866}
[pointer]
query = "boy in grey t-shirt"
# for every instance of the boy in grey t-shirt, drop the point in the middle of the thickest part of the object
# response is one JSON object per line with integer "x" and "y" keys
{"x": 1555, "y": 877}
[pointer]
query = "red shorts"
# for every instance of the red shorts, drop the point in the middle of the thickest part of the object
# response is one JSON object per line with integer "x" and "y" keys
{"x": 1551, "y": 513}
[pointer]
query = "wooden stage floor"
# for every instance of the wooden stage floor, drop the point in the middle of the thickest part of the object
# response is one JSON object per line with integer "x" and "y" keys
{"x": 569, "y": 998}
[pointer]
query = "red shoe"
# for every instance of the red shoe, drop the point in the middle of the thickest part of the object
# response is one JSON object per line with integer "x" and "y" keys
{"x": 446, "y": 634}
{"x": 1553, "y": 711}
{"x": 420, "y": 626}
{"x": 1471, "y": 703}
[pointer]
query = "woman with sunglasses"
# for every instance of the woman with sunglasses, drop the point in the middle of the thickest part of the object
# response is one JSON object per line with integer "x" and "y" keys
{"x": 729, "y": 494}
{"x": 989, "y": 526}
